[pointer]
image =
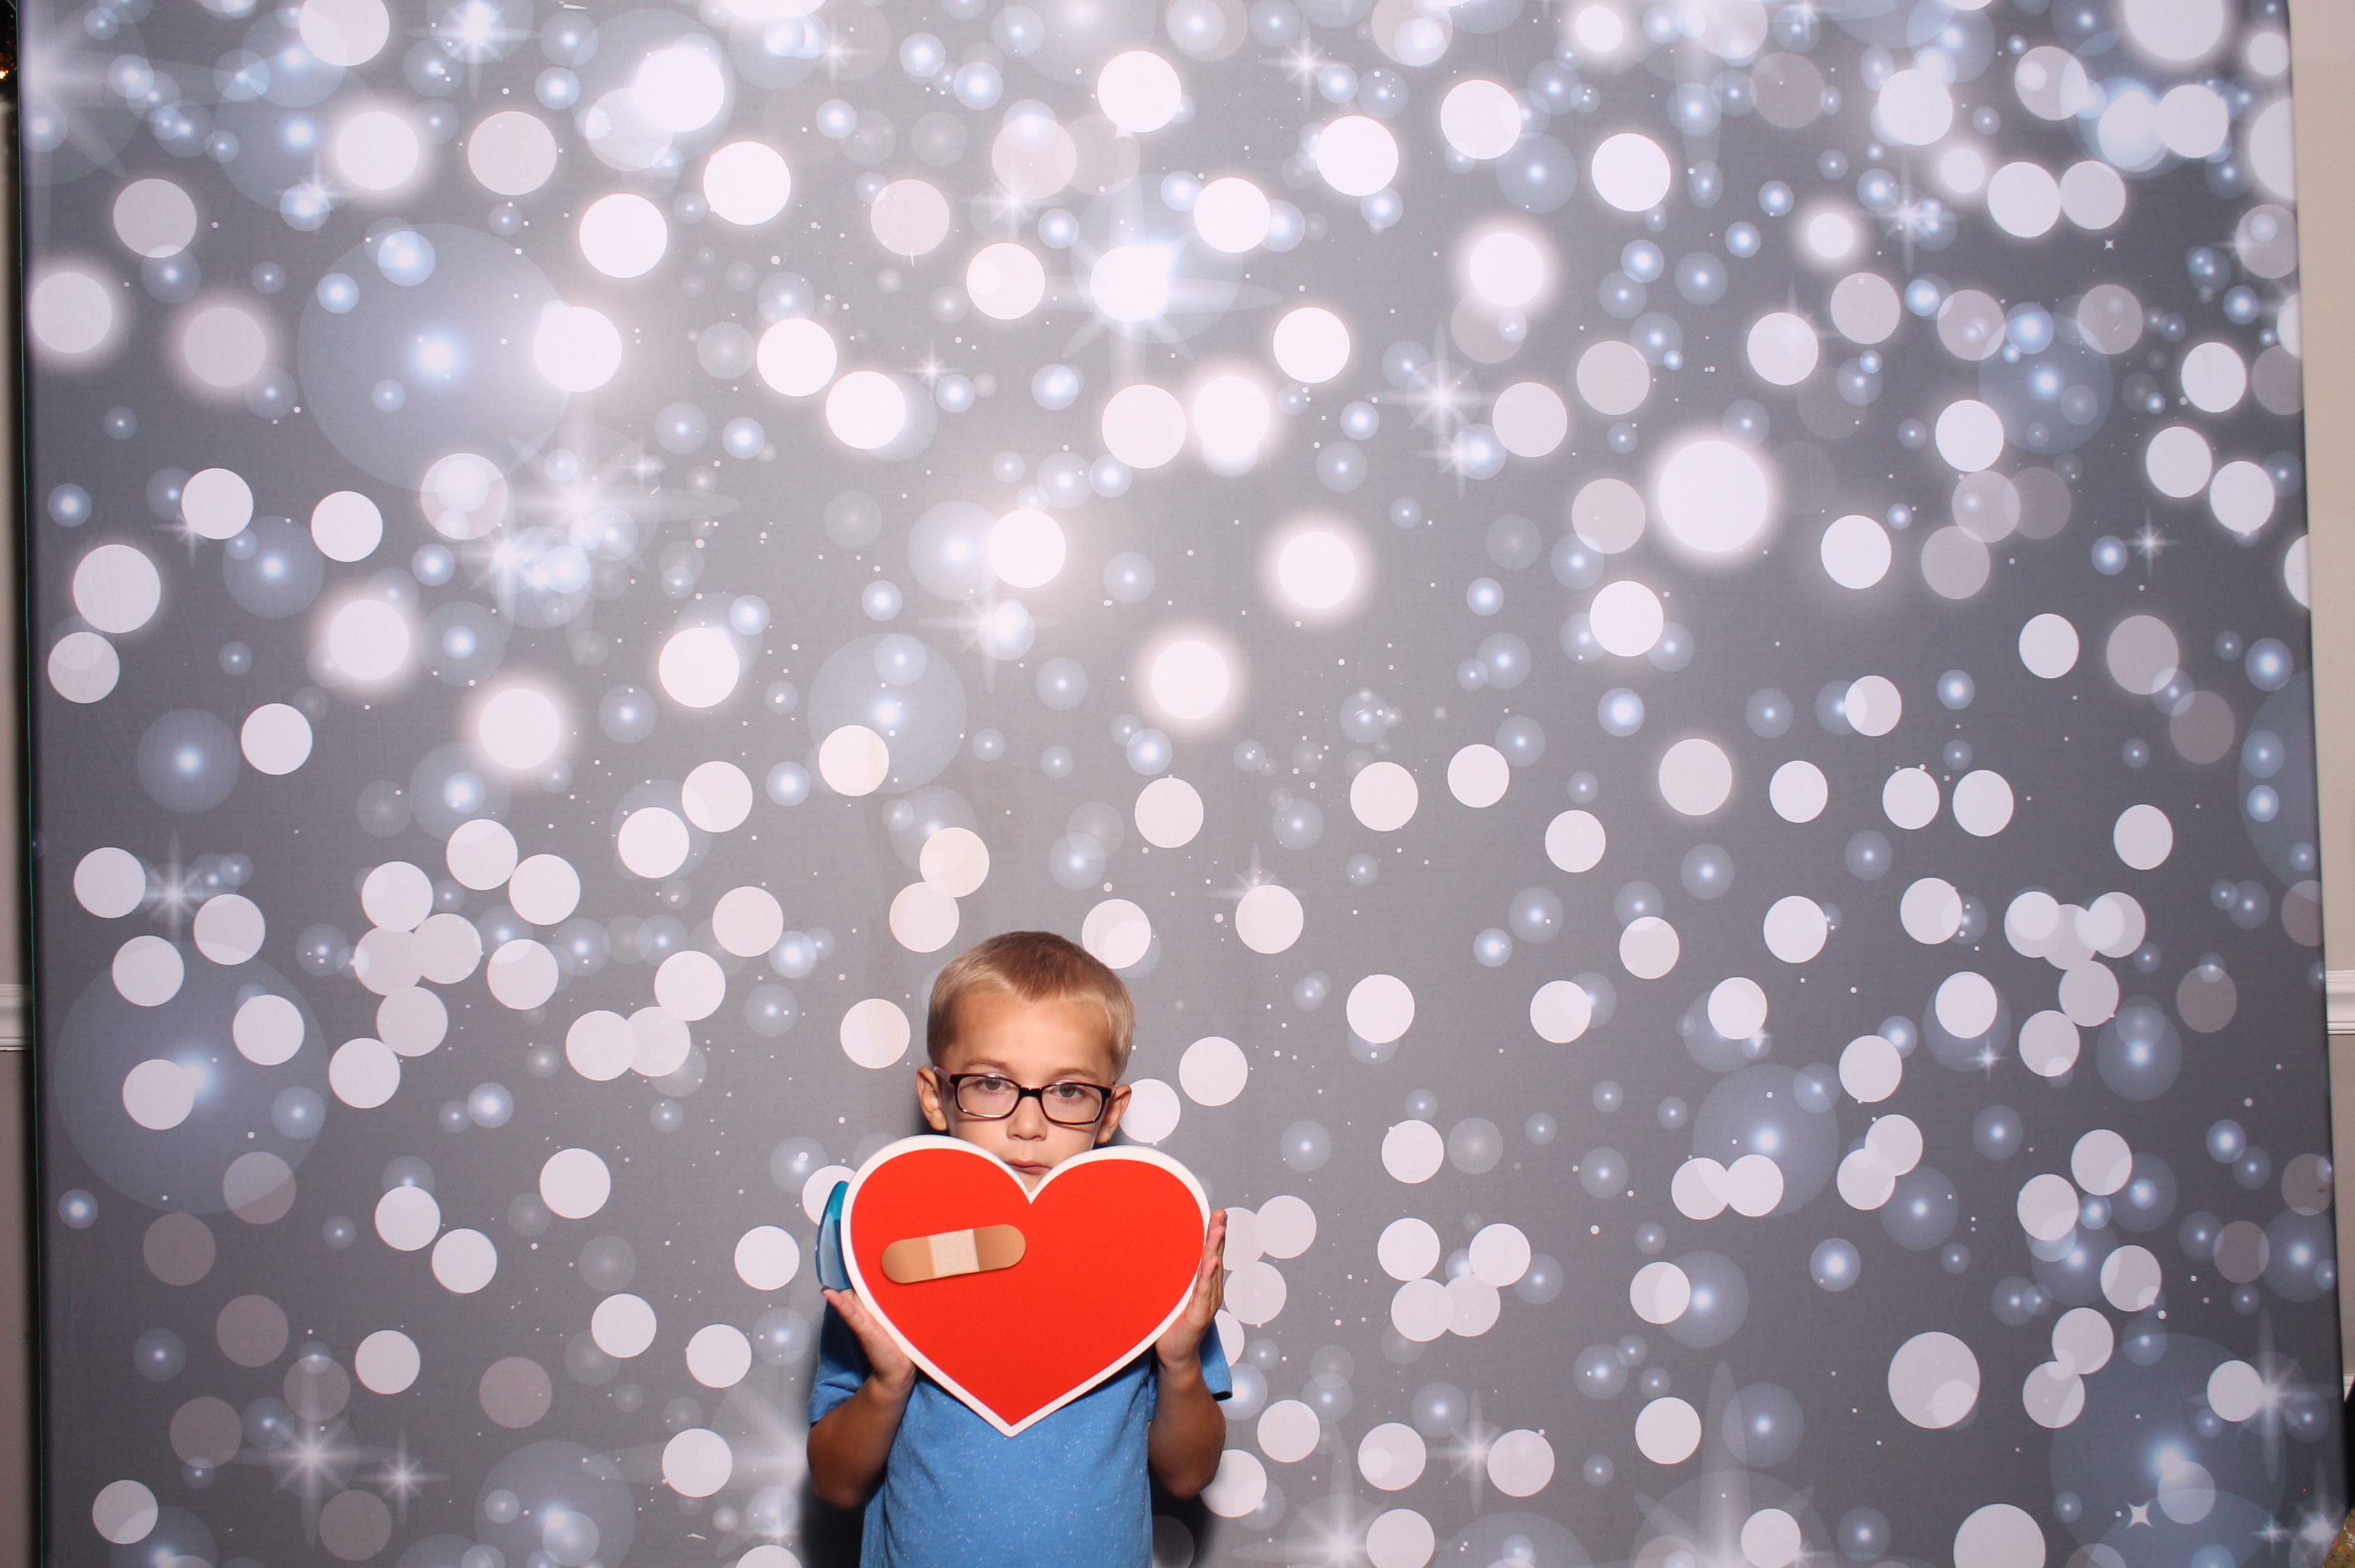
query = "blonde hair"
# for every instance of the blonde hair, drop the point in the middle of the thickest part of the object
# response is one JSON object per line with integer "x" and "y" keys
{"x": 1037, "y": 966}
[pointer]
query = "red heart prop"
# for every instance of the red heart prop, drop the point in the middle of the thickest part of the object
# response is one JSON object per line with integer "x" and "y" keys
{"x": 1111, "y": 1239}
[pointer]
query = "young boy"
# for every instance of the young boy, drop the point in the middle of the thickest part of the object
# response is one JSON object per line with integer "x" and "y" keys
{"x": 1029, "y": 1036}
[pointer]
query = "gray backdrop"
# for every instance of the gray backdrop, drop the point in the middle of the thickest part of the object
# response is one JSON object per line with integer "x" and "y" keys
{"x": 1668, "y": 643}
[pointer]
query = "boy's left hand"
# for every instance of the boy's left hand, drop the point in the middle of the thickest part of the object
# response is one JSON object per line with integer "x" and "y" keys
{"x": 1178, "y": 1349}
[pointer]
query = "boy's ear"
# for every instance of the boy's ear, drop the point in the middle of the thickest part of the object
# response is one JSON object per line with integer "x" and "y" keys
{"x": 930, "y": 1100}
{"x": 1114, "y": 1108}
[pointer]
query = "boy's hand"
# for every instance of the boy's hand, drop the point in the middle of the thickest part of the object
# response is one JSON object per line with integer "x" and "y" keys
{"x": 885, "y": 1362}
{"x": 1178, "y": 1349}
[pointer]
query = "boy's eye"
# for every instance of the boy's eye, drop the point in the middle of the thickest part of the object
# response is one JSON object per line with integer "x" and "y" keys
{"x": 1070, "y": 1093}
{"x": 993, "y": 1084}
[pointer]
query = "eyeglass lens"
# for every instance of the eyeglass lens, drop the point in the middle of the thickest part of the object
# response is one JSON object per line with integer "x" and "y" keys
{"x": 992, "y": 1097}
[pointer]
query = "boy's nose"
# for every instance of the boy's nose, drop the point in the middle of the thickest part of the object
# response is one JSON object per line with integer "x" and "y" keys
{"x": 1029, "y": 1121}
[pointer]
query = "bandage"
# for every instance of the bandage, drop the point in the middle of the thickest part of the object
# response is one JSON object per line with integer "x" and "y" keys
{"x": 952, "y": 1253}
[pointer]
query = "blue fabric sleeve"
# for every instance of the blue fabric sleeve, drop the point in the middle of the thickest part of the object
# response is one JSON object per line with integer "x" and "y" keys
{"x": 842, "y": 1366}
{"x": 1216, "y": 1374}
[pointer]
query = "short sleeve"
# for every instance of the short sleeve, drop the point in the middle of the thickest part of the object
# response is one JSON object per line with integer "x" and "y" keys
{"x": 842, "y": 1366}
{"x": 1217, "y": 1376}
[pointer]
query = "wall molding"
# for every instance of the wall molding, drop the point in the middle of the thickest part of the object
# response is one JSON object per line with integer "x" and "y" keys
{"x": 2339, "y": 988}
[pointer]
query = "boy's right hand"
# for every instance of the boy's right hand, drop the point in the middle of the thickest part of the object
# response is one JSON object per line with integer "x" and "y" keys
{"x": 885, "y": 1362}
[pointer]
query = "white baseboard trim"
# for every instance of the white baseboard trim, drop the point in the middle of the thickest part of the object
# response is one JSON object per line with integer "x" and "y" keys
{"x": 2339, "y": 985}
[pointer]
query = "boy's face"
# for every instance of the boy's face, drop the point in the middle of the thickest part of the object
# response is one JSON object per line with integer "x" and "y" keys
{"x": 1063, "y": 1040}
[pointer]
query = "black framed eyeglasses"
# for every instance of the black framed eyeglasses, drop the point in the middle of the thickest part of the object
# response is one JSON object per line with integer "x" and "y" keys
{"x": 993, "y": 1097}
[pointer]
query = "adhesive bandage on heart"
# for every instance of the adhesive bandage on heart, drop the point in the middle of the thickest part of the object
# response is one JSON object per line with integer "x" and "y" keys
{"x": 952, "y": 1253}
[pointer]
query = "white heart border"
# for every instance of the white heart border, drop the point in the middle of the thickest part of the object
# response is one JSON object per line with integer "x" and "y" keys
{"x": 1030, "y": 1195}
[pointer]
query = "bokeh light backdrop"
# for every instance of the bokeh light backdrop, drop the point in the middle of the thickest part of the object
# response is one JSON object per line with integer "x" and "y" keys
{"x": 1668, "y": 641}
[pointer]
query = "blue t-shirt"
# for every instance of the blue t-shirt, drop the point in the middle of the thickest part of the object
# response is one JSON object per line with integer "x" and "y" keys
{"x": 958, "y": 1493}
